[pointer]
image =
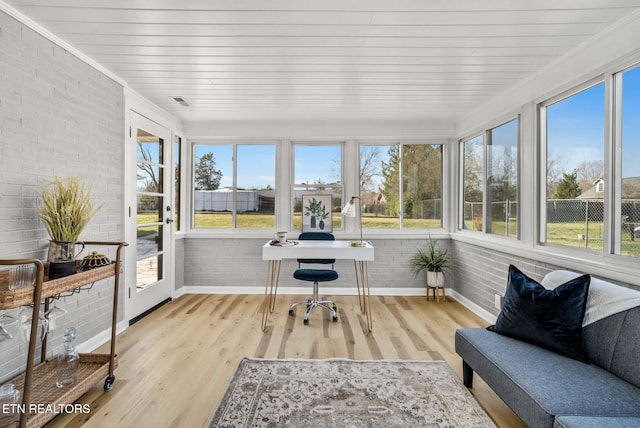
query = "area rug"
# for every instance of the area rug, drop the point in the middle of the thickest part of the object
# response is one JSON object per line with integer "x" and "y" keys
{"x": 347, "y": 393}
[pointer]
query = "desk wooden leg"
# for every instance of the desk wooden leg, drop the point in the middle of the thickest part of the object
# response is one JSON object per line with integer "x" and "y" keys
{"x": 362, "y": 277}
{"x": 270, "y": 290}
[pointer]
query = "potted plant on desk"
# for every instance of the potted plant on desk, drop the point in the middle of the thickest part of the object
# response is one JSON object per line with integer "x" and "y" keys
{"x": 435, "y": 261}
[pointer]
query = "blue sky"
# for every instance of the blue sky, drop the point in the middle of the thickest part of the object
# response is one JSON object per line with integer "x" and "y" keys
{"x": 631, "y": 123}
{"x": 256, "y": 166}
{"x": 257, "y": 163}
{"x": 575, "y": 129}
{"x": 576, "y": 126}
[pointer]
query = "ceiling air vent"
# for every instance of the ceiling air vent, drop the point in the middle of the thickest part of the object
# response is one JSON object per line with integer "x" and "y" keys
{"x": 181, "y": 101}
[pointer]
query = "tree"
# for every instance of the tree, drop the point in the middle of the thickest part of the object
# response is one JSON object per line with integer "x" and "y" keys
{"x": 555, "y": 167}
{"x": 473, "y": 171}
{"x": 146, "y": 177}
{"x": 588, "y": 172}
{"x": 568, "y": 188}
{"x": 369, "y": 167}
{"x": 421, "y": 177}
{"x": 207, "y": 177}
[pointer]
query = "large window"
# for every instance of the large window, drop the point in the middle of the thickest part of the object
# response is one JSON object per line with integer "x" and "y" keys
{"x": 401, "y": 186}
{"x": 234, "y": 186}
{"x": 490, "y": 181}
{"x": 317, "y": 171}
{"x": 502, "y": 180}
{"x": 575, "y": 196}
{"x": 628, "y": 243}
{"x": 472, "y": 182}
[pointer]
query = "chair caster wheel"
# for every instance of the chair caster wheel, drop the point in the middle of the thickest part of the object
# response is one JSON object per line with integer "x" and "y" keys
{"x": 306, "y": 322}
{"x": 292, "y": 312}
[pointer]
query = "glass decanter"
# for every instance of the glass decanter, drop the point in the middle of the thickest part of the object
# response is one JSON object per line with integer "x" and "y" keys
{"x": 67, "y": 362}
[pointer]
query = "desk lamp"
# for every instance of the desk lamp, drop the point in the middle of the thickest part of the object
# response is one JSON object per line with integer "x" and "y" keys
{"x": 349, "y": 210}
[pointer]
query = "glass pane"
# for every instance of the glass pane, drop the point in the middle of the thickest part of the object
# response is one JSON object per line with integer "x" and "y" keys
{"x": 472, "y": 182}
{"x": 575, "y": 169}
{"x": 176, "y": 185}
{"x": 256, "y": 195}
{"x": 318, "y": 169}
{"x": 422, "y": 186}
{"x": 149, "y": 178}
{"x": 502, "y": 180}
{"x": 149, "y": 147}
{"x": 149, "y": 209}
{"x": 630, "y": 186}
{"x": 379, "y": 186}
{"x": 149, "y": 240}
{"x": 148, "y": 271}
{"x": 213, "y": 181}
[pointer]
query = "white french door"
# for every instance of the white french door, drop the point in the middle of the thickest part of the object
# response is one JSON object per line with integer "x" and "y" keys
{"x": 150, "y": 215}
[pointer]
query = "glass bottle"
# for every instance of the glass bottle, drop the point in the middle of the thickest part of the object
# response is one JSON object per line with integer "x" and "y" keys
{"x": 67, "y": 366}
{"x": 9, "y": 401}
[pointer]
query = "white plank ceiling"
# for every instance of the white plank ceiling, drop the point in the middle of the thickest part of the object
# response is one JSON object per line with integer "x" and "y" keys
{"x": 324, "y": 59}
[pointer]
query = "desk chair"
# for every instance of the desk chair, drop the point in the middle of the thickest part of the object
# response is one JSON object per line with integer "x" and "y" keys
{"x": 315, "y": 276}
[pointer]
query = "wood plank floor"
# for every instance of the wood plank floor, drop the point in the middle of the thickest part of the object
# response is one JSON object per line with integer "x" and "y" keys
{"x": 175, "y": 364}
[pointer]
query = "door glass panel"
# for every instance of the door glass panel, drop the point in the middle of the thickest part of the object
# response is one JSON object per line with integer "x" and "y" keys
{"x": 149, "y": 147}
{"x": 150, "y": 209}
{"x": 177, "y": 164}
{"x": 149, "y": 240}
{"x": 149, "y": 177}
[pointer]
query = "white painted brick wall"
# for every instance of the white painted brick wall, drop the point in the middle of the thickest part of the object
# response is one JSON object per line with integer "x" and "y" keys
{"x": 481, "y": 273}
{"x": 238, "y": 263}
{"x": 58, "y": 116}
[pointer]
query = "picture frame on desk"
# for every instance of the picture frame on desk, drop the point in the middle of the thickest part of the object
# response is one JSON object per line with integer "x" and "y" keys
{"x": 316, "y": 213}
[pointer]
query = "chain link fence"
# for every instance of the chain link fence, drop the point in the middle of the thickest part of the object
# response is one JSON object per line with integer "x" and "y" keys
{"x": 572, "y": 222}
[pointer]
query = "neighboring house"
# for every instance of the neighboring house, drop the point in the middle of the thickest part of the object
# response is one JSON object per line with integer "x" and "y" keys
{"x": 596, "y": 191}
{"x": 630, "y": 189}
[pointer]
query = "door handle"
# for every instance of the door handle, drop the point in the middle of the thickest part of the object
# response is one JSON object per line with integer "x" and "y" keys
{"x": 169, "y": 221}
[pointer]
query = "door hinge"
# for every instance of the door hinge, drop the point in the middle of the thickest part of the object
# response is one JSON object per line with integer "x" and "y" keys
{"x": 129, "y": 293}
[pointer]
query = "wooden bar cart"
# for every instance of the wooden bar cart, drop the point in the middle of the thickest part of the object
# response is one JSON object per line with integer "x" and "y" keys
{"x": 37, "y": 384}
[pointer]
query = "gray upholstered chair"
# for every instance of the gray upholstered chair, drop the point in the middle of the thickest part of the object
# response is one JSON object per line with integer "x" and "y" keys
{"x": 315, "y": 276}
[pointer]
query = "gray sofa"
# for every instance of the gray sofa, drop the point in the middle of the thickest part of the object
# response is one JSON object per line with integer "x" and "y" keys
{"x": 546, "y": 389}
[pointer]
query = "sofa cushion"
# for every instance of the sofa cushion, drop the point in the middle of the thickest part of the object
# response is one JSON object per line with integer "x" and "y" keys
{"x": 551, "y": 319}
{"x": 596, "y": 422}
{"x": 538, "y": 384}
{"x": 605, "y": 298}
{"x": 612, "y": 342}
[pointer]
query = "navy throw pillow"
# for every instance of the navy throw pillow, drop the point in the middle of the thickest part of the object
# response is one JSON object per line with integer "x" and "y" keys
{"x": 551, "y": 319}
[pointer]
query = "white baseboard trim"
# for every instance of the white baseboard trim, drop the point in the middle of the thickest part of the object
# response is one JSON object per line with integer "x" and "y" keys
{"x": 335, "y": 291}
{"x": 482, "y": 313}
{"x": 101, "y": 338}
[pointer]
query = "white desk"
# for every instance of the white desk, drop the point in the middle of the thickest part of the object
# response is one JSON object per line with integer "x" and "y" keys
{"x": 312, "y": 249}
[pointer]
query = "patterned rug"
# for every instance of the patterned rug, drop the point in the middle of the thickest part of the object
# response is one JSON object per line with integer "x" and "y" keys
{"x": 347, "y": 393}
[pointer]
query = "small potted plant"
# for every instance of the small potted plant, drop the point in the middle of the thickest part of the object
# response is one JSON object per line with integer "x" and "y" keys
{"x": 435, "y": 261}
{"x": 67, "y": 208}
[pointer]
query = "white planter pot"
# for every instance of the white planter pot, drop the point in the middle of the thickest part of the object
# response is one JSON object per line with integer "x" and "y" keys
{"x": 435, "y": 279}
